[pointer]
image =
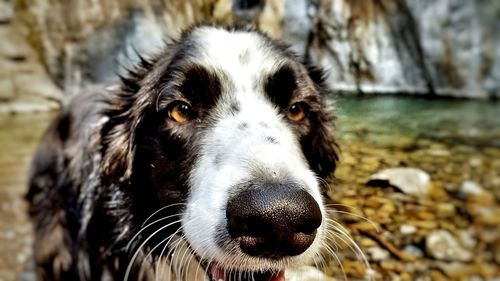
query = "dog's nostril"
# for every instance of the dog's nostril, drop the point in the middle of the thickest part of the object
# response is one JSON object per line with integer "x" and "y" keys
{"x": 273, "y": 220}
{"x": 309, "y": 227}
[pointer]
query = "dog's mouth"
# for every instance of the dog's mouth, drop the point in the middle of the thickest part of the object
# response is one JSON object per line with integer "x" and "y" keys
{"x": 218, "y": 273}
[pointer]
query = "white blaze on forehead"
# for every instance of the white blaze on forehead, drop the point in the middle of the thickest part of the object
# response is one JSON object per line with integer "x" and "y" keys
{"x": 242, "y": 55}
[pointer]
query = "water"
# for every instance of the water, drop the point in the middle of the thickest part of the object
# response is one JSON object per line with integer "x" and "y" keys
{"x": 439, "y": 136}
{"x": 383, "y": 120}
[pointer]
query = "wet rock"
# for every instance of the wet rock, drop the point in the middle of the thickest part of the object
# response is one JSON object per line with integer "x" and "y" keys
{"x": 467, "y": 238}
{"x": 378, "y": 254}
{"x": 411, "y": 181}
{"x": 407, "y": 229}
{"x": 442, "y": 245}
{"x": 471, "y": 188}
{"x": 474, "y": 192}
{"x": 414, "y": 251}
{"x": 446, "y": 210}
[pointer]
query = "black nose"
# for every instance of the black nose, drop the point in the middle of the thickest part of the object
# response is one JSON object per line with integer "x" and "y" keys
{"x": 273, "y": 220}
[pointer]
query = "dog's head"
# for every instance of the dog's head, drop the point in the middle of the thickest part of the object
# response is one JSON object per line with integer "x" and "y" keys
{"x": 230, "y": 127}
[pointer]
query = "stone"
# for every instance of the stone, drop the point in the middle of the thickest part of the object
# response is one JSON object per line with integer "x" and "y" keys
{"x": 378, "y": 254}
{"x": 476, "y": 193}
{"x": 15, "y": 47}
{"x": 407, "y": 229}
{"x": 467, "y": 238}
{"x": 442, "y": 245}
{"x": 471, "y": 188}
{"x": 414, "y": 251}
{"x": 6, "y": 11}
{"x": 411, "y": 181}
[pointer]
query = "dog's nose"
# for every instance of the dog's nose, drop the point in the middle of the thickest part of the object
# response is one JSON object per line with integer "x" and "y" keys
{"x": 273, "y": 220}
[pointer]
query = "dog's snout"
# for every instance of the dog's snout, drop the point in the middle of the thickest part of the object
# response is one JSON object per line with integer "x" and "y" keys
{"x": 273, "y": 220}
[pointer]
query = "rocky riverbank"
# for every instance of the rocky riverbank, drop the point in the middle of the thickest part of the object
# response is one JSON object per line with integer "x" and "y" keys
{"x": 446, "y": 228}
{"x": 448, "y": 232}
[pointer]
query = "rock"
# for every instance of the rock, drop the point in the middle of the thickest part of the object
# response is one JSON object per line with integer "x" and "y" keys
{"x": 414, "y": 251}
{"x": 471, "y": 188}
{"x": 411, "y": 181}
{"x": 407, "y": 229}
{"x": 83, "y": 43}
{"x": 378, "y": 254}
{"x": 414, "y": 46}
{"x": 442, "y": 245}
{"x": 467, "y": 238}
{"x": 306, "y": 273}
{"x": 446, "y": 210}
{"x": 374, "y": 47}
{"x": 474, "y": 192}
{"x": 298, "y": 23}
{"x": 6, "y": 11}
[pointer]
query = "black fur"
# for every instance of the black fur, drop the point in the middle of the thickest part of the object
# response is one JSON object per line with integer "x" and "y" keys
{"x": 112, "y": 158}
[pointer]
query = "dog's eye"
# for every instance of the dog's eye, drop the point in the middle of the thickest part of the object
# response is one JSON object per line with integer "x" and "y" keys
{"x": 297, "y": 112}
{"x": 180, "y": 112}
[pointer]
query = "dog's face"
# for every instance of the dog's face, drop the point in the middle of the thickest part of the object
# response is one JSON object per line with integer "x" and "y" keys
{"x": 240, "y": 139}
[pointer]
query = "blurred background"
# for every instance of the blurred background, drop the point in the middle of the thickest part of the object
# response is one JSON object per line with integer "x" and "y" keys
{"x": 416, "y": 84}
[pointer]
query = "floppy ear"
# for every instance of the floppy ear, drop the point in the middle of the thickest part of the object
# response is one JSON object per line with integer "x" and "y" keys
{"x": 125, "y": 110}
{"x": 319, "y": 145}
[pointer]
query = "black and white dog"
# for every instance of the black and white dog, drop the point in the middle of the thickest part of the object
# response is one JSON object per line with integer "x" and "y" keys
{"x": 205, "y": 163}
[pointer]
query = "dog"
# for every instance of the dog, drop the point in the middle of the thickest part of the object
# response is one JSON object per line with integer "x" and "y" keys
{"x": 206, "y": 162}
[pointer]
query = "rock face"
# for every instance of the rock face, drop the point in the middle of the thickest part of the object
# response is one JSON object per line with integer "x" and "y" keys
{"x": 374, "y": 46}
{"x": 24, "y": 83}
{"x": 410, "y": 46}
{"x": 84, "y": 42}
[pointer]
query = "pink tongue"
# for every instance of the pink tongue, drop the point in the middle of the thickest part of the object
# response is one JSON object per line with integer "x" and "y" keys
{"x": 278, "y": 277}
{"x": 218, "y": 274}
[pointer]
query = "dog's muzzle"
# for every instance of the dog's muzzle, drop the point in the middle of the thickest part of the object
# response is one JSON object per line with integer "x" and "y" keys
{"x": 273, "y": 220}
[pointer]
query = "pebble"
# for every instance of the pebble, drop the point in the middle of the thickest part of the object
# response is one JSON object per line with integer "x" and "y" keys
{"x": 467, "y": 238}
{"x": 378, "y": 254}
{"x": 411, "y": 181}
{"x": 414, "y": 251}
{"x": 442, "y": 245}
{"x": 471, "y": 188}
{"x": 407, "y": 229}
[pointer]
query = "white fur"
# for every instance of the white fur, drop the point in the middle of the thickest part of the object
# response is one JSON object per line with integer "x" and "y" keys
{"x": 243, "y": 152}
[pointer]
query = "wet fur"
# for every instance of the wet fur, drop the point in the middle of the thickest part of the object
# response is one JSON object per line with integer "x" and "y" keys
{"x": 108, "y": 162}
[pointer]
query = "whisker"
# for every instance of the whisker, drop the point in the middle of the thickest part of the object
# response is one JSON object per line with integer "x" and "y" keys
{"x": 159, "y": 210}
{"x": 134, "y": 257}
{"x": 339, "y": 231}
{"x": 372, "y": 223}
{"x": 337, "y": 259}
{"x": 146, "y": 227}
{"x": 166, "y": 245}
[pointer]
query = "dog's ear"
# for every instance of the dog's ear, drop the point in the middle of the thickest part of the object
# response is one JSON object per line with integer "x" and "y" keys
{"x": 319, "y": 145}
{"x": 126, "y": 107}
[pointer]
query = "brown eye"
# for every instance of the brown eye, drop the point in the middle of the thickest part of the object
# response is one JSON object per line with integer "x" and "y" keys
{"x": 297, "y": 112}
{"x": 180, "y": 112}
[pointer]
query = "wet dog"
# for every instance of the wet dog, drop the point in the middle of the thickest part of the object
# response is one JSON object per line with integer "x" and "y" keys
{"x": 205, "y": 163}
